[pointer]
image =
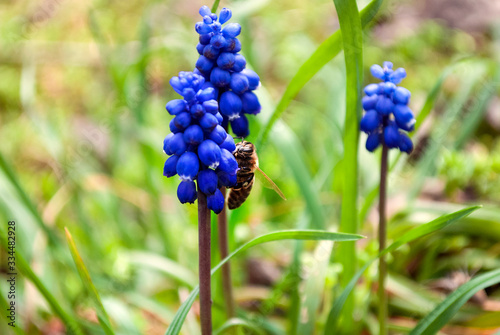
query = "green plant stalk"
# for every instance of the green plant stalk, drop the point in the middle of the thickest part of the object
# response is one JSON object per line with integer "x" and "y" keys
{"x": 215, "y": 6}
{"x": 102, "y": 316}
{"x": 311, "y": 235}
{"x": 382, "y": 236}
{"x": 227, "y": 288}
{"x": 412, "y": 235}
{"x": 204, "y": 264}
{"x": 352, "y": 41}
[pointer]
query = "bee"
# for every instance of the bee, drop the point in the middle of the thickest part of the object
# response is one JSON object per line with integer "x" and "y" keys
{"x": 248, "y": 162}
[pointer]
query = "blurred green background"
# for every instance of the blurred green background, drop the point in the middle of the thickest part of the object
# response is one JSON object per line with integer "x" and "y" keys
{"x": 83, "y": 85}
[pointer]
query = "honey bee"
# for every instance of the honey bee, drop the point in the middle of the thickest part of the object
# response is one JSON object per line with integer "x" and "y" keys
{"x": 248, "y": 162}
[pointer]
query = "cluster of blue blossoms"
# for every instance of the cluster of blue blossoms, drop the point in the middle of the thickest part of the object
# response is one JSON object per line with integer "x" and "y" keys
{"x": 199, "y": 146}
{"x": 216, "y": 93}
{"x": 221, "y": 64}
{"x": 387, "y": 117}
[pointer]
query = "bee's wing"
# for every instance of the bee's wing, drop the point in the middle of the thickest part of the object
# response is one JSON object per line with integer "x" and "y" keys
{"x": 266, "y": 181}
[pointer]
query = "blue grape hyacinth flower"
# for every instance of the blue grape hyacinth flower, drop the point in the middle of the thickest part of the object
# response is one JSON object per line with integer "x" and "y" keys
{"x": 221, "y": 64}
{"x": 388, "y": 117}
{"x": 199, "y": 148}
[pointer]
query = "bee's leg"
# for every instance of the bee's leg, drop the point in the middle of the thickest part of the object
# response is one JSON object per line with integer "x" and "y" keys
{"x": 244, "y": 182}
{"x": 248, "y": 180}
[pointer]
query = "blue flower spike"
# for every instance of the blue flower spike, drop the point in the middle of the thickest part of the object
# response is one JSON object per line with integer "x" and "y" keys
{"x": 221, "y": 64}
{"x": 217, "y": 93}
{"x": 388, "y": 117}
{"x": 198, "y": 143}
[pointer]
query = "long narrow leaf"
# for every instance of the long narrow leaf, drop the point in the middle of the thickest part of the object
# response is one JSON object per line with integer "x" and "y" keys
{"x": 476, "y": 113}
{"x": 163, "y": 264}
{"x": 180, "y": 316}
{"x": 321, "y": 56}
{"x": 352, "y": 39}
{"x": 443, "y": 312}
{"x": 287, "y": 141}
{"x": 11, "y": 176}
{"x": 313, "y": 288}
{"x": 413, "y": 234}
{"x": 5, "y": 305}
{"x": 71, "y": 324}
{"x": 427, "y": 164}
{"x": 85, "y": 276}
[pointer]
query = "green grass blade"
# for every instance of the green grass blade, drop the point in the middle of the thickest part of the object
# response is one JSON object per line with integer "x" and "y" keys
{"x": 85, "y": 276}
{"x": 477, "y": 111}
{"x": 321, "y": 56}
{"x": 434, "y": 93}
{"x": 352, "y": 38}
{"x": 412, "y": 235}
{"x": 72, "y": 326}
{"x": 215, "y": 6}
{"x": 313, "y": 288}
{"x": 443, "y": 313}
{"x": 180, "y": 316}
{"x": 287, "y": 141}
{"x": 11, "y": 176}
{"x": 164, "y": 265}
{"x": 5, "y": 305}
{"x": 427, "y": 164}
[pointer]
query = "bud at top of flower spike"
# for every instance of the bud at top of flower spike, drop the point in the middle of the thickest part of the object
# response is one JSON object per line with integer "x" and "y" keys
{"x": 225, "y": 15}
{"x": 221, "y": 64}
{"x": 387, "y": 117}
{"x": 199, "y": 143}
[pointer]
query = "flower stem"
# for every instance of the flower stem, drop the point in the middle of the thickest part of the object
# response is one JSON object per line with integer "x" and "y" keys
{"x": 204, "y": 264}
{"x": 382, "y": 232}
{"x": 227, "y": 288}
{"x": 215, "y": 6}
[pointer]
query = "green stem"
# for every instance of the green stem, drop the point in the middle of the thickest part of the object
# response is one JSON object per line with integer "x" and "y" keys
{"x": 227, "y": 288}
{"x": 204, "y": 264}
{"x": 352, "y": 40}
{"x": 382, "y": 236}
{"x": 215, "y": 6}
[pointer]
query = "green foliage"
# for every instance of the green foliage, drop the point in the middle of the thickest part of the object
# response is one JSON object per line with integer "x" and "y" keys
{"x": 175, "y": 326}
{"x": 408, "y": 237}
{"x": 25, "y": 269}
{"x": 352, "y": 40}
{"x": 82, "y": 95}
{"x": 443, "y": 313}
{"x": 321, "y": 56}
{"x": 87, "y": 282}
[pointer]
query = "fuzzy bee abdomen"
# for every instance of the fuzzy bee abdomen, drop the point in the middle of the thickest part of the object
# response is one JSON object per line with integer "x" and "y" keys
{"x": 241, "y": 191}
